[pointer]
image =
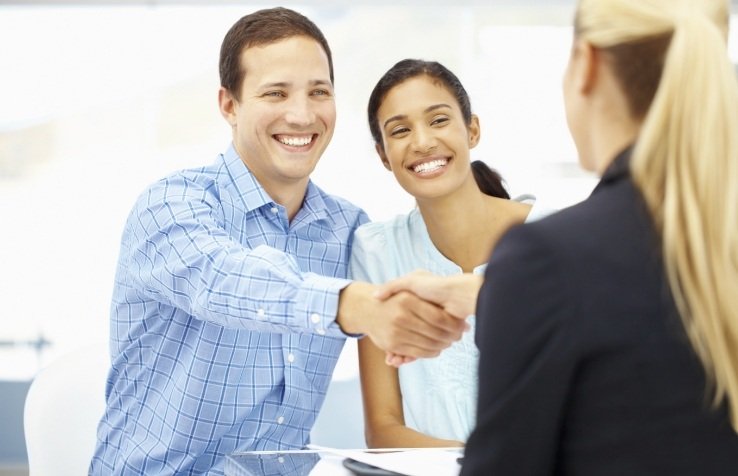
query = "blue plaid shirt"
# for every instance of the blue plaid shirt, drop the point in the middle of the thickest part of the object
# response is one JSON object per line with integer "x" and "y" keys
{"x": 223, "y": 333}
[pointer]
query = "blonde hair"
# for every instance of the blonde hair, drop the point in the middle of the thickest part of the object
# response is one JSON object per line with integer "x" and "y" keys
{"x": 685, "y": 161}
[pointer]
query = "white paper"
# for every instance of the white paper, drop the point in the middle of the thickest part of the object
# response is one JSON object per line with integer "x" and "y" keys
{"x": 408, "y": 461}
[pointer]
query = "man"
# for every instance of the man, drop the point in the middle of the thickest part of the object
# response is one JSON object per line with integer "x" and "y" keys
{"x": 231, "y": 305}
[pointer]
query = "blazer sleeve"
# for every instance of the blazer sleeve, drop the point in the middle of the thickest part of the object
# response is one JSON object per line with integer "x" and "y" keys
{"x": 526, "y": 357}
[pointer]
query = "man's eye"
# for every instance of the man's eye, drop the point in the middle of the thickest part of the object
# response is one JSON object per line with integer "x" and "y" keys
{"x": 321, "y": 92}
{"x": 275, "y": 94}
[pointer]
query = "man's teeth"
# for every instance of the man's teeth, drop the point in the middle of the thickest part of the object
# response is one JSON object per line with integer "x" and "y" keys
{"x": 429, "y": 166}
{"x": 296, "y": 141}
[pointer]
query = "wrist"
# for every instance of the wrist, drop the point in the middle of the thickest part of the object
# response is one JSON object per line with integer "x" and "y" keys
{"x": 351, "y": 300}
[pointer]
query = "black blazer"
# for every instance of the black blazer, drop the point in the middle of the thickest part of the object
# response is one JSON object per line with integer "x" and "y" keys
{"x": 585, "y": 368}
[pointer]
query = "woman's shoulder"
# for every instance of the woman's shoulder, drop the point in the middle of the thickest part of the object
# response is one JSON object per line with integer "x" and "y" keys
{"x": 537, "y": 209}
{"x": 398, "y": 228}
{"x": 385, "y": 249}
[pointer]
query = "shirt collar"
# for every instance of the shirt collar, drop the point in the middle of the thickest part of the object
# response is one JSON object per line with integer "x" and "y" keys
{"x": 254, "y": 196}
{"x": 247, "y": 187}
{"x": 313, "y": 207}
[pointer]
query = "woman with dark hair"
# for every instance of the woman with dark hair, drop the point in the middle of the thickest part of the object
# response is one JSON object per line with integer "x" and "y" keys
{"x": 423, "y": 128}
{"x": 608, "y": 332}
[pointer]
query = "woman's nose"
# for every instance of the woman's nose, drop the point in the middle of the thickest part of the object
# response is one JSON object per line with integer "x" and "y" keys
{"x": 424, "y": 140}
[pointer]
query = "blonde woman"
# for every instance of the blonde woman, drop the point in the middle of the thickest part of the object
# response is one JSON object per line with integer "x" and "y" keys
{"x": 608, "y": 333}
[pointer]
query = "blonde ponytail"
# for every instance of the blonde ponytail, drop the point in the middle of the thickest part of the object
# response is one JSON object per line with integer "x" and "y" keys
{"x": 685, "y": 164}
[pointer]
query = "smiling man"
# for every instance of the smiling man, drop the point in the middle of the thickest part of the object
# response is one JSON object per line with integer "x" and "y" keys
{"x": 230, "y": 305}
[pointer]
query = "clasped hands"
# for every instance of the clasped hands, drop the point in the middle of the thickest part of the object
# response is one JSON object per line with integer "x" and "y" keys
{"x": 414, "y": 316}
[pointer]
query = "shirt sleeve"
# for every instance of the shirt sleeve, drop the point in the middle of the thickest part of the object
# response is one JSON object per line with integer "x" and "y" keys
{"x": 526, "y": 359}
{"x": 368, "y": 253}
{"x": 180, "y": 255}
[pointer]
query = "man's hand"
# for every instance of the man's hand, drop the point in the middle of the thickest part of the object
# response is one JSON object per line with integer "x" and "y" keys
{"x": 402, "y": 324}
{"x": 456, "y": 294}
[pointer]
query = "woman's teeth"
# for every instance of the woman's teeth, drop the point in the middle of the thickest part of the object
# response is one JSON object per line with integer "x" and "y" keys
{"x": 431, "y": 166}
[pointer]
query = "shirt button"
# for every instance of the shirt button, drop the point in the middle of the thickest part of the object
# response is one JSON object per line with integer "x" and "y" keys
{"x": 280, "y": 420}
{"x": 290, "y": 357}
{"x": 315, "y": 318}
{"x": 320, "y": 330}
{"x": 260, "y": 313}
{"x": 280, "y": 459}
{"x": 274, "y": 210}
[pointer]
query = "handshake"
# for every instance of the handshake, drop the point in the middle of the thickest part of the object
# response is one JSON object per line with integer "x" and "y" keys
{"x": 416, "y": 315}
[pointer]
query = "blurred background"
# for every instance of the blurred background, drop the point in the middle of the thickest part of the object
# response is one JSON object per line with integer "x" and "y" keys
{"x": 100, "y": 98}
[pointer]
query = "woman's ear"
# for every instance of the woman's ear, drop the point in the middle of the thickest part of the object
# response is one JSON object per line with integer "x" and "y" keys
{"x": 475, "y": 131}
{"x": 382, "y": 156}
{"x": 586, "y": 59}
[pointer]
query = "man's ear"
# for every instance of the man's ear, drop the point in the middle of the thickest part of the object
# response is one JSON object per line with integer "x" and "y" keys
{"x": 382, "y": 156}
{"x": 227, "y": 105}
{"x": 475, "y": 131}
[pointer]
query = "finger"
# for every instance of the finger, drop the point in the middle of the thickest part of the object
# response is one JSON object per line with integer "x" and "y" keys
{"x": 392, "y": 359}
{"x": 408, "y": 342}
{"x": 433, "y": 333}
{"x": 400, "y": 360}
{"x": 409, "y": 352}
{"x": 436, "y": 323}
{"x": 390, "y": 288}
{"x": 396, "y": 361}
{"x": 416, "y": 344}
{"x": 418, "y": 330}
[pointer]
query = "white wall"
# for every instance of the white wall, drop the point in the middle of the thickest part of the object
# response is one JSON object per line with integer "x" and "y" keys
{"x": 97, "y": 102}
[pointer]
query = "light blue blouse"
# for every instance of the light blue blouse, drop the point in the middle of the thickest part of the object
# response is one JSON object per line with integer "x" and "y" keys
{"x": 439, "y": 395}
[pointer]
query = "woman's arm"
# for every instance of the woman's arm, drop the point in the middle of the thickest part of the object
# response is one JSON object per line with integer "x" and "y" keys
{"x": 384, "y": 421}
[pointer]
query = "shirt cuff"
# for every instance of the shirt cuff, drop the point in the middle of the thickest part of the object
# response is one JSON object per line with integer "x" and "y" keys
{"x": 316, "y": 304}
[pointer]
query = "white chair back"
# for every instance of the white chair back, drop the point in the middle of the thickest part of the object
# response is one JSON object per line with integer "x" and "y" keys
{"x": 63, "y": 407}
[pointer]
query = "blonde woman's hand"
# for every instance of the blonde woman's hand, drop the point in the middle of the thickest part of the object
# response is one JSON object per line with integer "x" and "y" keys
{"x": 456, "y": 294}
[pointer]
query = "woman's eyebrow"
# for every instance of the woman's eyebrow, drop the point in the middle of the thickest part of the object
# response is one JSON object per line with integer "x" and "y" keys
{"x": 428, "y": 109}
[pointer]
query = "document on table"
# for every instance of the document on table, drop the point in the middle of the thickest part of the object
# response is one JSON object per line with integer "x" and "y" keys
{"x": 407, "y": 461}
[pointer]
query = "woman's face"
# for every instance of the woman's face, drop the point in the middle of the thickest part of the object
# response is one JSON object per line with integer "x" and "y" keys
{"x": 426, "y": 141}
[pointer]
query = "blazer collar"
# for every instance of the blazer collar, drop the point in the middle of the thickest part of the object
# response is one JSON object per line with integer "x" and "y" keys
{"x": 618, "y": 169}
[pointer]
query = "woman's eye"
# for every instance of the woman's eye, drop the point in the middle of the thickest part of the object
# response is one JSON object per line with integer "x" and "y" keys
{"x": 399, "y": 131}
{"x": 439, "y": 120}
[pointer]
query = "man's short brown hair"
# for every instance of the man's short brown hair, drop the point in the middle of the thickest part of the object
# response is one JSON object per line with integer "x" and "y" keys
{"x": 263, "y": 27}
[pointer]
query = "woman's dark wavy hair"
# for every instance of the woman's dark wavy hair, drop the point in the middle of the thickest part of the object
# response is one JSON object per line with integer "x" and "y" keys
{"x": 489, "y": 181}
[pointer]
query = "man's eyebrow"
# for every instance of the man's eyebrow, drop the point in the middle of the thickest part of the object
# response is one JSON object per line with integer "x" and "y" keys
{"x": 285, "y": 84}
{"x": 279, "y": 84}
{"x": 321, "y": 82}
{"x": 428, "y": 109}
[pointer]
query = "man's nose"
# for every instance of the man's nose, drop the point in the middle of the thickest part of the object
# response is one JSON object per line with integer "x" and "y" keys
{"x": 300, "y": 112}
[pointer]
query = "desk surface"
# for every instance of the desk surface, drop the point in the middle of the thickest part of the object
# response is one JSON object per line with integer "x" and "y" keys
{"x": 329, "y": 461}
{"x": 285, "y": 463}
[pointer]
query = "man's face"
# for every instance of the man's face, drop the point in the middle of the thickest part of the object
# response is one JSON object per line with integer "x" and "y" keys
{"x": 286, "y": 114}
